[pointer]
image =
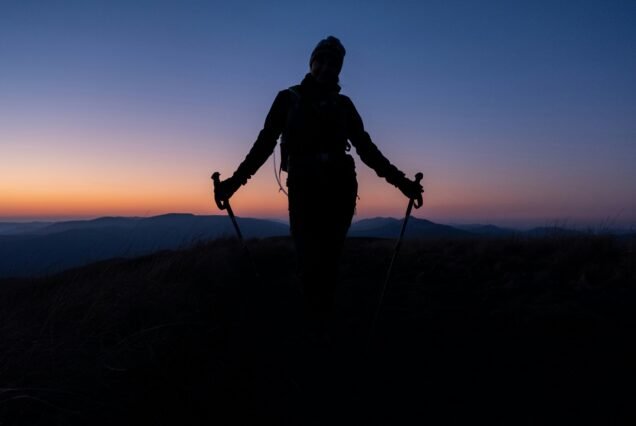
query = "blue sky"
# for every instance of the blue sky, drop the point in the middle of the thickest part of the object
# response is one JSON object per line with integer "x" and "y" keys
{"x": 516, "y": 112}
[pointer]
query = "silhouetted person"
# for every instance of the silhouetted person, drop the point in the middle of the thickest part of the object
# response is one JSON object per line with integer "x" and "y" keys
{"x": 317, "y": 123}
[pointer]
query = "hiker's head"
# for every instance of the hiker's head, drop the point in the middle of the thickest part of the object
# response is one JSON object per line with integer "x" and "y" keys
{"x": 326, "y": 60}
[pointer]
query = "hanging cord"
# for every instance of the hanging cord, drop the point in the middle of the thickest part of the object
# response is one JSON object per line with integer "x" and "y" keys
{"x": 277, "y": 176}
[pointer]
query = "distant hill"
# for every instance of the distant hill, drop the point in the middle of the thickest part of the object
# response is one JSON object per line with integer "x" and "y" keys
{"x": 491, "y": 230}
{"x": 63, "y": 245}
{"x": 37, "y": 248}
{"x": 387, "y": 227}
{"x": 102, "y": 222}
{"x": 13, "y": 228}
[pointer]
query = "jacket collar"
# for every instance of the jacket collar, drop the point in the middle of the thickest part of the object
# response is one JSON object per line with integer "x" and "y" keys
{"x": 313, "y": 86}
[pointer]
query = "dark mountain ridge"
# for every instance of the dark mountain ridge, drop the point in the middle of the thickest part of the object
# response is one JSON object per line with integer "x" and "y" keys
{"x": 43, "y": 248}
{"x": 388, "y": 227}
{"x": 67, "y": 244}
{"x": 13, "y": 228}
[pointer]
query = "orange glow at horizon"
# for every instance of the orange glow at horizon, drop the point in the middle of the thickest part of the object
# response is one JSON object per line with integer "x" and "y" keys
{"x": 41, "y": 177}
{"x": 260, "y": 198}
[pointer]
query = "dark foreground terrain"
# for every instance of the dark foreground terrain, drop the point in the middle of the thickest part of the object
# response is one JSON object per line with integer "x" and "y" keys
{"x": 507, "y": 331}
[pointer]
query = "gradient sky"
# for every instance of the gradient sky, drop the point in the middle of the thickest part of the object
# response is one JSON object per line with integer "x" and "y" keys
{"x": 517, "y": 112}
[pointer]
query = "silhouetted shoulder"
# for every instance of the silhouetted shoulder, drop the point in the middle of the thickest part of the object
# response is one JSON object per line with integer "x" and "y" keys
{"x": 282, "y": 98}
{"x": 354, "y": 121}
{"x": 345, "y": 98}
{"x": 295, "y": 88}
{"x": 275, "y": 119}
{"x": 348, "y": 105}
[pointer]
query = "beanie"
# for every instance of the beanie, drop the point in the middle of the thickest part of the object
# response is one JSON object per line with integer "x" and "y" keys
{"x": 331, "y": 45}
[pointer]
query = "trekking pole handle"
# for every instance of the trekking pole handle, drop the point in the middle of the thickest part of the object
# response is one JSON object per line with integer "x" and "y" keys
{"x": 418, "y": 201}
{"x": 221, "y": 204}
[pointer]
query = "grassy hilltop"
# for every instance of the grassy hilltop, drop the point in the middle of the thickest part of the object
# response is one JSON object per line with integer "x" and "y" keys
{"x": 510, "y": 331}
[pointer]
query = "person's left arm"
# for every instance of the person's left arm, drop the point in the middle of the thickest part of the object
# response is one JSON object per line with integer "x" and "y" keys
{"x": 371, "y": 155}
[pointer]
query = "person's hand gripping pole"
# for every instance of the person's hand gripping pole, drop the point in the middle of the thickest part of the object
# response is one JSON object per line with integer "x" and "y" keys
{"x": 223, "y": 203}
{"x": 417, "y": 201}
{"x": 220, "y": 203}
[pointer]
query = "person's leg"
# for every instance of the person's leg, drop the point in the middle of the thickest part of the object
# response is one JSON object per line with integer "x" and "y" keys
{"x": 319, "y": 220}
{"x": 307, "y": 232}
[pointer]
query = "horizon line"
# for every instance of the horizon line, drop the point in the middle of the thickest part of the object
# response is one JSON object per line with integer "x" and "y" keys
{"x": 521, "y": 224}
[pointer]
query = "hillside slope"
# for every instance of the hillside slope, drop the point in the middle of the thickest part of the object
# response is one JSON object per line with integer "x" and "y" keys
{"x": 507, "y": 331}
{"x": 64, "y": 245}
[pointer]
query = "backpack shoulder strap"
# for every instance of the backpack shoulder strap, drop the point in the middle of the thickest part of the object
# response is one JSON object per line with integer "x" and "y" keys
{"x": 294, "y": 104}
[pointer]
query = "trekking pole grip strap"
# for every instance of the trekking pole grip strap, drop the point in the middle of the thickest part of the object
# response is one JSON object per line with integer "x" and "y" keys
{"x": 418, "y": 201}
{"x": 221, "y": 204}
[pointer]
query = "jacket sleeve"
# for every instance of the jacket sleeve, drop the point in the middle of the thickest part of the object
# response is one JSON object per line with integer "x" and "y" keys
{"x": 266, "y": 140}
{"x": 367, "y": 150}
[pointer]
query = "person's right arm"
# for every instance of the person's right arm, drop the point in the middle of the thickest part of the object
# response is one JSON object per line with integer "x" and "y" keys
{"x": 262, "y": 148}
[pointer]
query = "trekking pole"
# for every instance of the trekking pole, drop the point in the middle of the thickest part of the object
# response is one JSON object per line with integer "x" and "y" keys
{"x": 418, "y": 203}
{"x": 225, "y": 205}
